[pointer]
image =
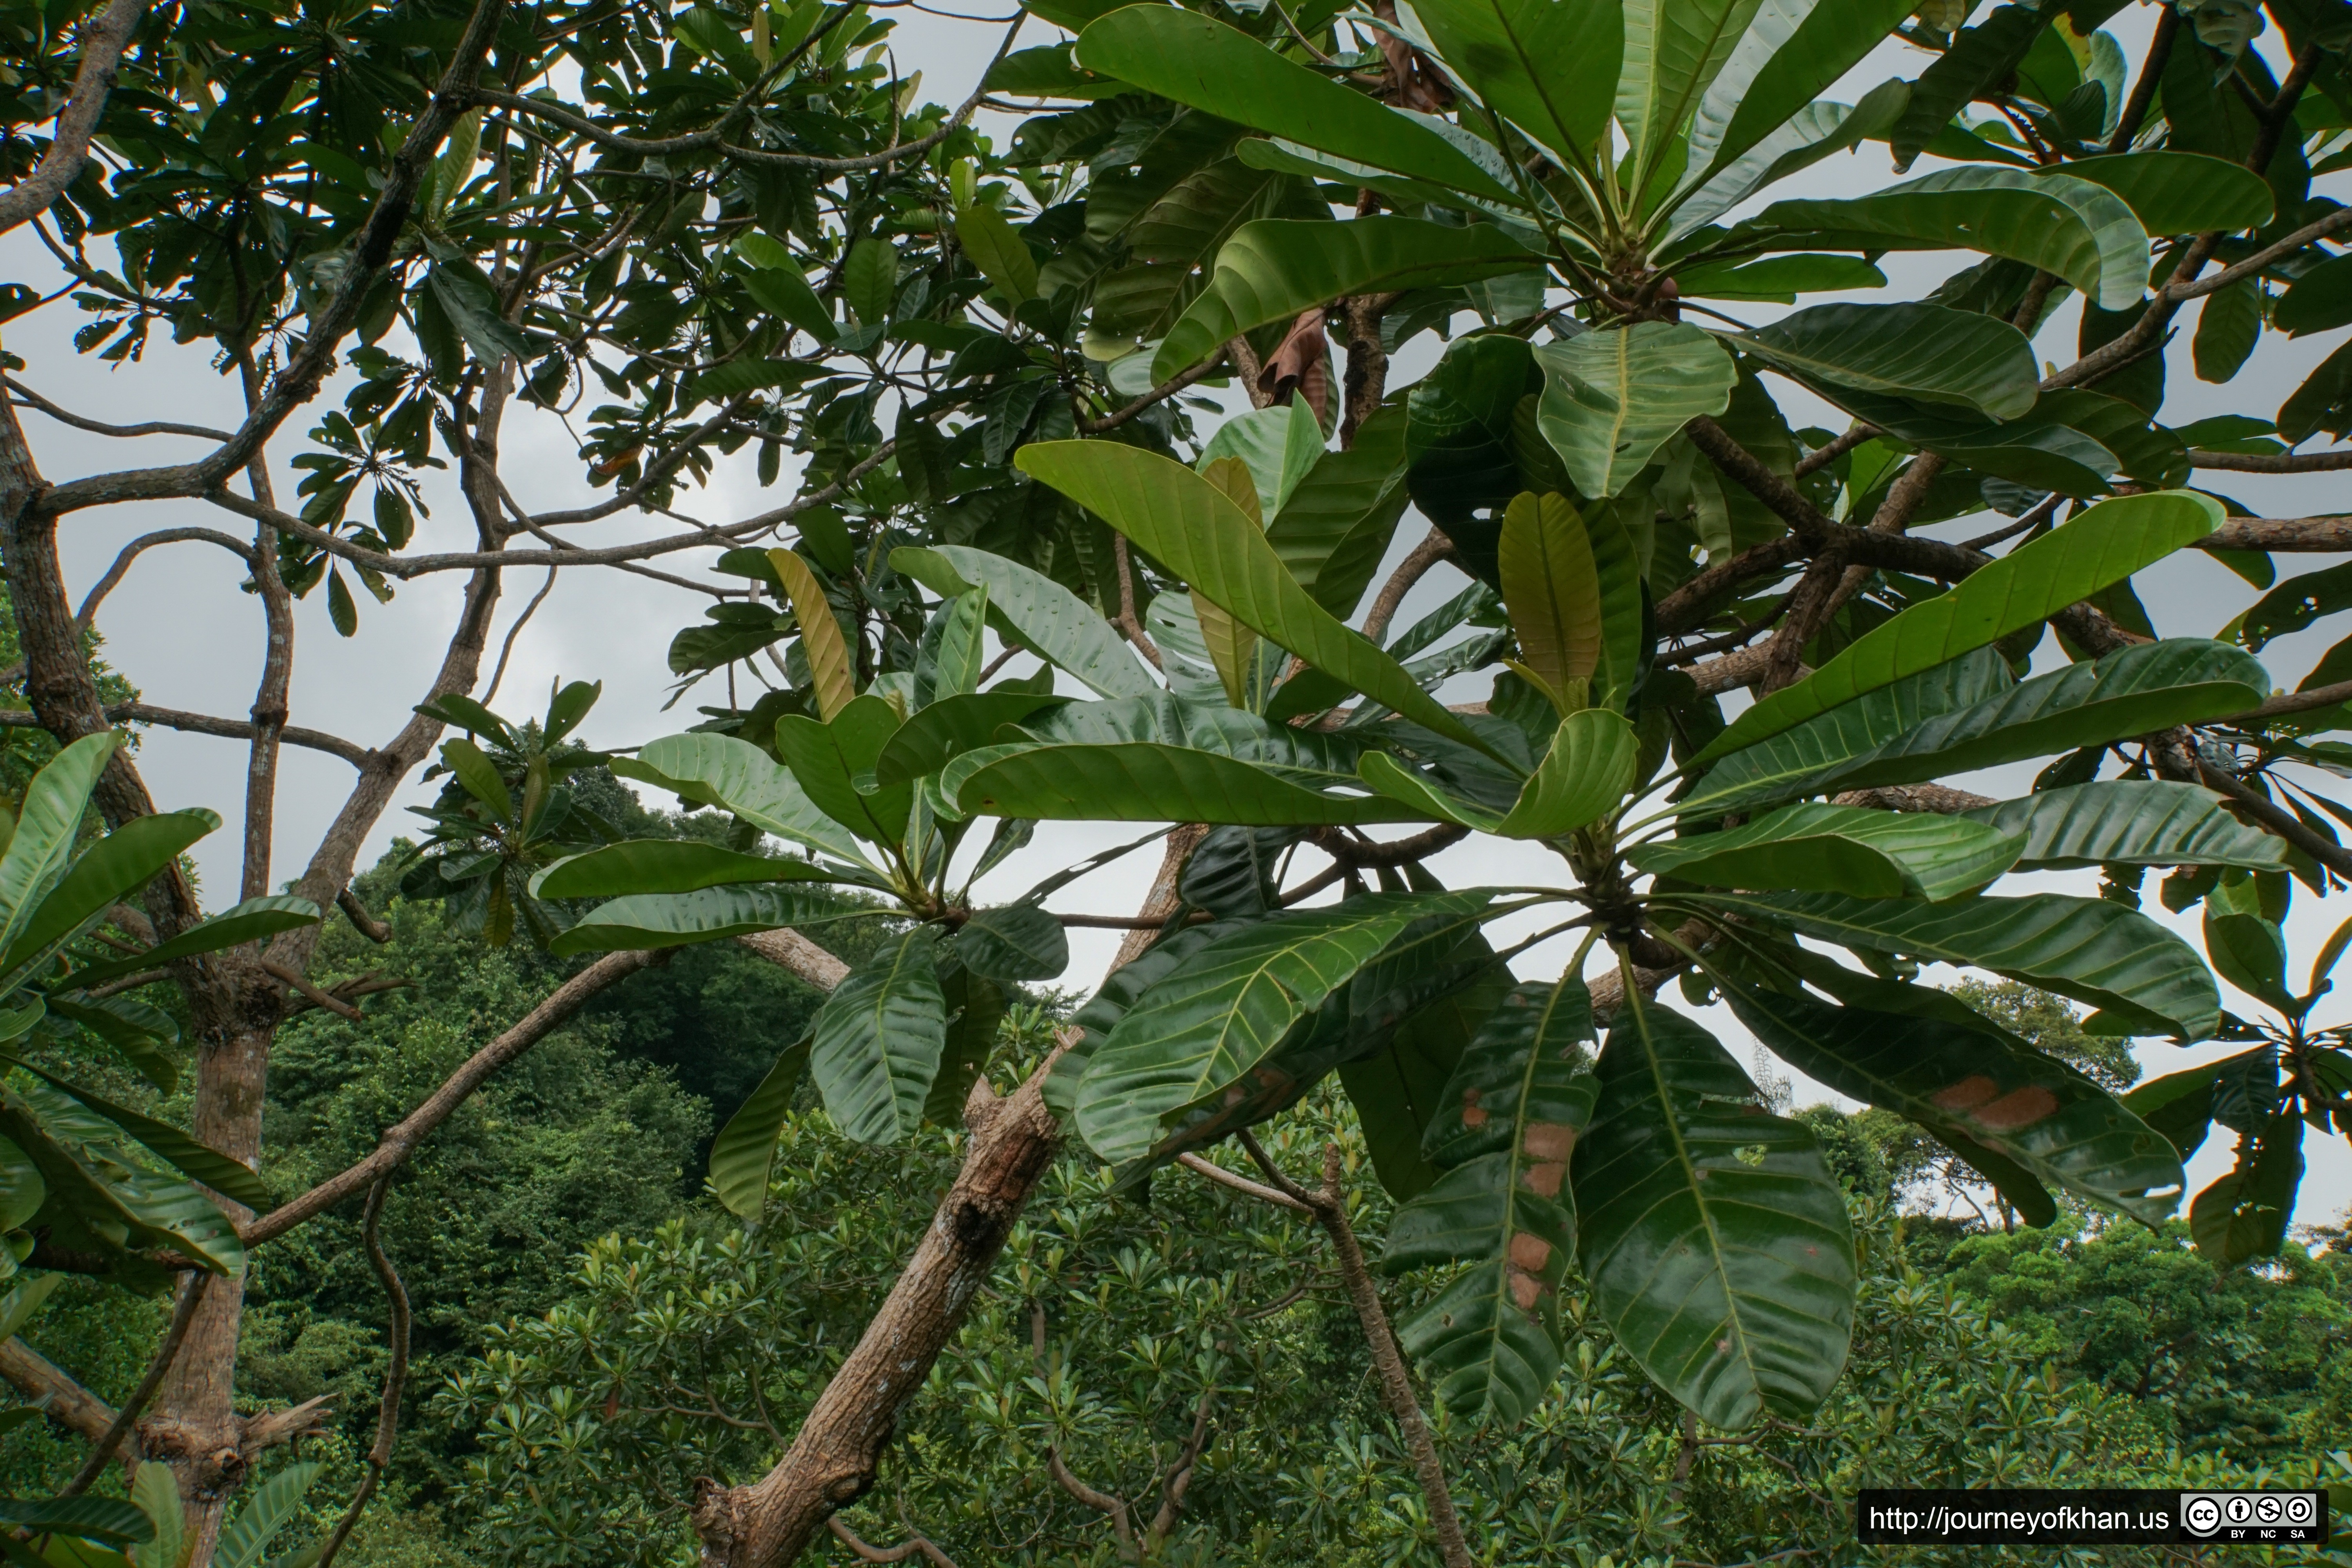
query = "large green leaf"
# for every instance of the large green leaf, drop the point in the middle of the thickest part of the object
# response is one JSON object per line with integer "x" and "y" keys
{"x": 2105, "y": 545}
{"x": 878, "y": 1037}
{"x": 248, "y": 922}
{"x": 2318, "y": 301}
{"x": 1552, "y": 587}
{"x": 1812, "y": 847}
{"x": 106, "y": 1518}
{"x": 1274, "y": 269}
{"x": 2089, "y": 949}
{"x": 745, "y": 1149}
{"x": 1280, "y": 446}
{"x": 1459, "y": 440}
{"x": 1792, "y": 53}
{"x": 1003, "y": 257}
{"x": 1673, "y": 50}
{"x": 952, "y": 726}
{"x": 834, "y": 763}
{"x": 1584, "y": 777}
{"x": 1979, "y": 59}
{"x": 200, "y": 1161}
{"x": 1547, "y": 66}
{"x": 1714, "y": 1236}
{"x": 1961, "y": 716}
{"x": 1013, "y": 942}
{"x": 136, "y": 1030}
{"x": 1039, "y": 612}
{"x": 739, "y": 778}
{"x": 1198, "y": 61}
{"x": 265, "y": 1511}
{"x": 1182, "y": 520}
{"x": 2080, "y": 231}
{"x": 664, "y": 866}
{"x": 1149, "y": 781}
{"x": 2132, "y": 822}
{"x": 2243, "y": 1216}
{"x": 675, "y": 920}
{"x": 116, "y": 866}
{"x": 2181, "y": 193}
{"x": 1507, "y": 1122}
{"x": 47, "y": 820}
{"x": 1396, "y": 1088}
{"x": 92, "y": 1174}
{"x": 1950, "y": 1079}
{"x": 1962, "y": 357}
{"x": 1206, "y": 1023}
{"x": 1336, "y": 524}
{"x": 1612, "y": 398}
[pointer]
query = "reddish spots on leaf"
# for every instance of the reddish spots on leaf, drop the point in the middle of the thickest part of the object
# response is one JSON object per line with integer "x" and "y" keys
{"x": 1529, "y": 1251}
{"x": 2017, "y": 1108}
{"x": 1525, "y": 1290}
{"x": 1723, "y": 1346}
{"x": 1970, "y": 1092}
{"x": 1550, "y": 1140}
{"x": 1544, "y": 1180}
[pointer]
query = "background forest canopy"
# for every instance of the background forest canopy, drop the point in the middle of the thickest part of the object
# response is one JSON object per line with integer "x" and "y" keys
{"x": 1553, "y": 570}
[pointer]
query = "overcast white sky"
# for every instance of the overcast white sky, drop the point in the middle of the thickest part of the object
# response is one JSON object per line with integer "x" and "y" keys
{"x": 182, "y": 633}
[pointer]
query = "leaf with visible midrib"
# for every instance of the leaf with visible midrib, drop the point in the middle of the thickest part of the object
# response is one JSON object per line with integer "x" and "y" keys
{"x": 2088, "y": 949}
{"x": 1180, "y": 518}
{"x": 2132, "y": 822}
{"x": 1199, "y": 62}
{"x": 1714, "y": 1236}
{"x": 746, "y": 1147}
{"x": 2105, "y": 545}
{"x": 1210, "y": 1021}
{"x": 1950, "y": 1079}
{"x": 1841, "y": 850}
{"x": 1976, "y": 361}
{"x": 1552, "y": 589}
{"x": 1612, "y": 398}
{"x": 117, "y": 865}
{"x": 877, "y": 1041}
{"x": 1040, "y": 612}
{"x": 1506, "y": 1126}
{"x": 820, "y": 640}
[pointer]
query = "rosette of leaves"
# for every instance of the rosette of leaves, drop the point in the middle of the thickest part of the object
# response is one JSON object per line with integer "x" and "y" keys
{"x": 79, "y": 1173}
{"x": 504, "y": 812}
{"x": 1709, "y": 1229}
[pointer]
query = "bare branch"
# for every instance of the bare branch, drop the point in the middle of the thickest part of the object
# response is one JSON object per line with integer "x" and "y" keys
{"x": 359, "y": 756}
{"x": 396, "y": 1373}
{"x": 28, "y": 398}
{"x": 1418, "y": 563}
{"x": 366, "y": 924}
{"x": 59, "y": 1397}
{"x": 1242, "y": 1184}
{"x": 393, "y": 1151}
{"x": 2271, "y": 462}
{"x": 145, "y": 542}
{"x": 2325, "y": 535}
{"x": 790, "y": 949}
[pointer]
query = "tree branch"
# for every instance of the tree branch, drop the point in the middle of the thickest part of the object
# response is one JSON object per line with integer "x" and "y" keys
{"x": 393, "y": 1151}
{"x": 59, "y": 1397}
{"x": 184, "y": 1314}
{"x": 1433, "y": 548}
{"x": 396, "y": 1373}
{"x": 102, "y": 43}
{"x": 351, "y": 752}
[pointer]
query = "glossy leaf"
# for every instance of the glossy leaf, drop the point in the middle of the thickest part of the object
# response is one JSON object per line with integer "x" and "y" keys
{"x": 1039, "y": 612}
{"x": 106, "y": 1518}
{"x": 1552, "y": 589}
{"x": 1335, "y": 525}
{"x": 937, "y": 734}
{"x": 834, "y": 763}
{"x": 1507, "y": 1122}
{"x": 664, "y": 866}
{"x": 2243, "y": 1216}
{"x": 1549, "y": 67}
{"x": 1715, "y": 1237}
{"x": 194, "y": 1159}
{"x": 2089, "y": 949}
{"x": 2103, "y": 546}
{"x": 1956, "y": 1081}
{"x": 745, "y": 1149}
{"x": 1674, "y": 50}
{"x": 1202, "y": 62}
{"x": 1584, "y": 775}
{"x": 1216, "y": 1015}
{"x": 1612, "y": 398}
{"x": 675, "y": 920}
{"x": 2131, "y": 822}
{"x": 1274, "y": 269}
{"x": 90, "y": 1171}
{"x": 1792, "y": 53}
{"x": 265, "y": 1510}
{"x": 1979, "y": 59}
{"x": 1013, "y": 942}
{"x": 2080, "y": 231}
{"x": 2249, "y": 953}
{"x": 2229, "y": 325}
{"x": 1001, "y": 255}
{"x": 1927, "y": 726}
{"x": 248, "y": 922}
{"x": 739, "y": 778}
{"x": 821, "y": 639}
{"x": 1917, "y": 350}
{"x": 1154, "y": 782}
{"x": 480, "y": 777}
{"x": 115, "y": 867}
{"x": 1812, "y": 847}
{"x": 2180, "y": 193}
{"x": 953, "y": 652}
{"x": 877, "y": 1041}
{"x": 1279, "y": 446}
{"x": 1182, "y": 520}
{"x": 47, "y": 820}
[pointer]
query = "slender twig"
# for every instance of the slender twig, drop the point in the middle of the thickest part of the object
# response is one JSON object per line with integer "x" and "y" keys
{"x": 506, "y": 650}
{"x": 295, "y": 981}
{"x": 395, "y": 1374}
{"x": 184, "y": 1314}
